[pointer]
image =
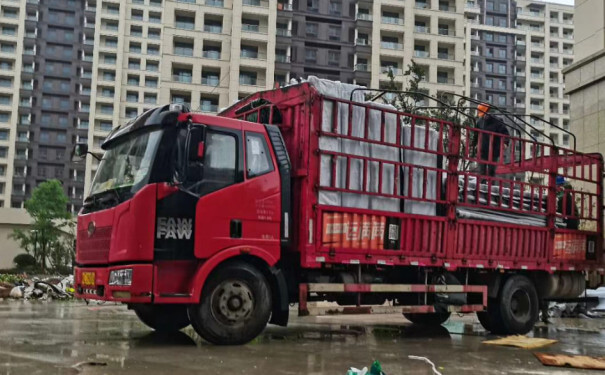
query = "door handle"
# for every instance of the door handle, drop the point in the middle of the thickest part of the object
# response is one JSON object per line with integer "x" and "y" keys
{"x": 235, "y": 228}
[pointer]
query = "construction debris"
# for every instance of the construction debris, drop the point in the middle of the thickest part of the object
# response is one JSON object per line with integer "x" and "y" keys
{"x": 35, "y": 288}
{"x": 375, "y": 369}
{"x": 576, "y": 361}
{"x": 523, "y": 342}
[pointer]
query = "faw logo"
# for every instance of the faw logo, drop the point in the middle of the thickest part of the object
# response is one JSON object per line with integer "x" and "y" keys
{"x": 174, "y": 228}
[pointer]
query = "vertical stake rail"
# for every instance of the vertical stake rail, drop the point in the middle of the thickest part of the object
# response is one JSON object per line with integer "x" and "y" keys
{"x": 551, "y": 206}
{"x": 453, "y": 158}
{"x": 599, "y": 208}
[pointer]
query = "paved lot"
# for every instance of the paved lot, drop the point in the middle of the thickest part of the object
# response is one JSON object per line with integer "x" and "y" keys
{"x": 50, "y": 338}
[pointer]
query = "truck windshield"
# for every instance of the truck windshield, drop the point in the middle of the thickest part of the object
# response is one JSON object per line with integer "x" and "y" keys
{"x": 127, "y": 164}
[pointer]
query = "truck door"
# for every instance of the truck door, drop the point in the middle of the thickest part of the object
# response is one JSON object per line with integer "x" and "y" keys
{"x": 240, "y": 203}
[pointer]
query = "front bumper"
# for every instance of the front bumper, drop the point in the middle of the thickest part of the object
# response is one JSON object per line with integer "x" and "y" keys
{"x": 140, "y": 291}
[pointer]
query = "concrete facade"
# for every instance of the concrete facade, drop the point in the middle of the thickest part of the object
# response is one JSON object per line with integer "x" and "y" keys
{"x": 536, "y": 40}
{"x": 585, "y": 79}
{"x": 585, "y": 83}
{"x": 210, "y": 53}
{"x": 10, "y": 219}
{"x": 45, "y": 71}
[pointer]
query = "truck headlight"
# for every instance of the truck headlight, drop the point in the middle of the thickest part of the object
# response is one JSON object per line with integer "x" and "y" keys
{"x": 121, "y": 277}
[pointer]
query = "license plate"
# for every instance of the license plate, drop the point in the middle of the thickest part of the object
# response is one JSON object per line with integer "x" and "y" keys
{"x": 88, "y": 278}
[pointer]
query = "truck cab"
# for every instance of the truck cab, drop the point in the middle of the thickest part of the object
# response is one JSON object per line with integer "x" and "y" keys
{"x": 176, "y": 195}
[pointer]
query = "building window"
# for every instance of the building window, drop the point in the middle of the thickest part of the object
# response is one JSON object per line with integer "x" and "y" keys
{"x": 335, "y": 8}
{"x": 502, "y": 100}
{"x": 248, "y": 78}
{"x": 310, "y": 55}
{"x": 184, "y": 22}
{"x": 151, "y": 82}
{"x": 334, "y": 32}
{"x": 312, "y": 29}
{"x": 489, "y": 67}
{"x": 153, "y": 33}
{"x": 183, "y": 48}
{"x": 209, "y": 104}
{"x": 334, "y": 58}
{"x": 502, "y": 53}
{"x": 502, "y": 68}
{"x": 489, "y": 83}
{"x": 134, "y": 64}
{"x": 488, "y": 36}
{"x": 313, "y": 5}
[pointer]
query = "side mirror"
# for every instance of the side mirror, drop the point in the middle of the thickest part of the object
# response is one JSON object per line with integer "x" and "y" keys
{"x": 80, "y": 150}
{"x": 195, "y": 147}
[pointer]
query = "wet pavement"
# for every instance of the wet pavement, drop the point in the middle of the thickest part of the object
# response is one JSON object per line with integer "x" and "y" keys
{"x": 73, "y": 338}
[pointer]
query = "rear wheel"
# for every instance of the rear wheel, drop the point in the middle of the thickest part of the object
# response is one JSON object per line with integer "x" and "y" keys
{"x": 515, "y": 311}
{"x": 235, "y": 305}
{"x": 519, "y": 305}
{"x": 163, "y": 318}
{"x": 433, "y": 319}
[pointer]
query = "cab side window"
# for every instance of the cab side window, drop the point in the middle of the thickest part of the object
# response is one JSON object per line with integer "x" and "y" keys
{"x": 258, "y": 161}
{"x": 220, "y": 161}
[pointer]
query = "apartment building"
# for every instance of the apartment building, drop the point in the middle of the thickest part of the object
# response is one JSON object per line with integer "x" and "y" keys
{"x": 517, "y": 50}
{"x": 45, "y": 72}
{"x": 431, "y": 32}
{"x": 210, "y": 53}
{"x": 205, "y": 53}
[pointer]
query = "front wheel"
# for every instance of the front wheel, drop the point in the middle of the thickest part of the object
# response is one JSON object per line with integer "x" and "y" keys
{"x": 434, "y": 319}
{"x": 163, "y": 318}
{"x": 235, "y": 305}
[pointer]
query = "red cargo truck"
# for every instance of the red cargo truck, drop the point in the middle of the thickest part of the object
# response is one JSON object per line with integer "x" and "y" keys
{"x": 294, "y": 195}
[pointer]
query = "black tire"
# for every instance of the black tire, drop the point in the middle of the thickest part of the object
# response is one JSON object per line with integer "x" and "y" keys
{"x": 163, "y": 318}
{"x": 235, "y": 305}
{"x": 517, "y": 308}
{"x": 491, "y": 319}
{"x": 434, "y": 319}
{"x": 519, "y": 305}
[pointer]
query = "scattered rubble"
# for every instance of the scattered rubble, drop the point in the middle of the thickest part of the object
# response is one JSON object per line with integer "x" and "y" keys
{"x": 49, "y": 288}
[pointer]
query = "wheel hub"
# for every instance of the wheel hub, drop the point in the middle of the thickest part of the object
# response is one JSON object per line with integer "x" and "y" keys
{"x": 232, "y": 302}
{"x": 520, "y": 304}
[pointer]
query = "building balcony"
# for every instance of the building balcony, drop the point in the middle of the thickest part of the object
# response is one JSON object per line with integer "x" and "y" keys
{"x": 254, "y": 28}
{"x": 284, "y": 7}
{"x": 363, "y": 17}
{"x": 362, "y": 42}
{"x": 386, "y": 69}
{"x": 446, "y": 80}
{"x": 283, "y": 32}
{"x": 362, "y": 67}
{"x": 256, "y": 3}
{"x": 215, "y": 3}
{"x": 392, "y": 20}
{"x": 421, "y": 29}
{"x": 421, "y": 54}
{"x": 391, "y": 45}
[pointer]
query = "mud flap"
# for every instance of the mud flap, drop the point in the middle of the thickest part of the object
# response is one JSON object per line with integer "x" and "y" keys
{"x": 281, "y": 308}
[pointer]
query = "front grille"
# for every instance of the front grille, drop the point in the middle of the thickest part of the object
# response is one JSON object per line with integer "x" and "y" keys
{"x": 95, "y": 248}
